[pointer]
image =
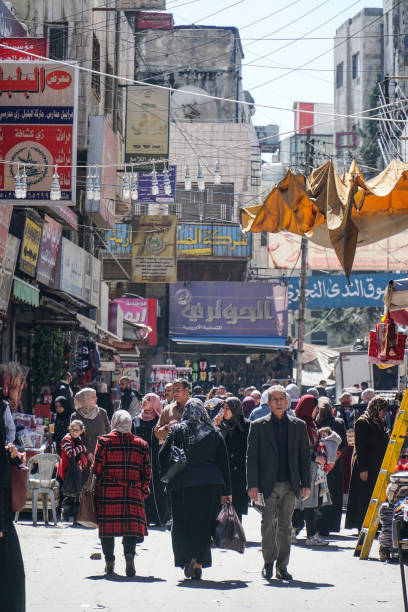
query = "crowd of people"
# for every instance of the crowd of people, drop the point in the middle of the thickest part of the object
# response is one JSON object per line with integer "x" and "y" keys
{"x": 280, "y": 450}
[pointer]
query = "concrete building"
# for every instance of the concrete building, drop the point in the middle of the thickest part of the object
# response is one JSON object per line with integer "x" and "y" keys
{"x": 357, "y": 64}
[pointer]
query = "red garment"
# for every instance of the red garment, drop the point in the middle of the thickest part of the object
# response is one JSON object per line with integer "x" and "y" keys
{"x": 304, "y": 410}
{"x": 122, "y": 466}
{"x": 69, "y": 449}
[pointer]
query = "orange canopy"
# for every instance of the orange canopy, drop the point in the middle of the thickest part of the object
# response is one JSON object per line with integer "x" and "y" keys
{"x": 339, "y": 212}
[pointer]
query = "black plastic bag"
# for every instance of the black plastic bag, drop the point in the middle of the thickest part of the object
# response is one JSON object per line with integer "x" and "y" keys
{"x": 73, "y": 479}
{"x": 176, "y": 460}
{"x": 229, "y": 532}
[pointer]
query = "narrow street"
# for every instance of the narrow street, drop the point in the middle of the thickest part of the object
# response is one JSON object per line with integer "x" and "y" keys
{"x": 61, "y": 577}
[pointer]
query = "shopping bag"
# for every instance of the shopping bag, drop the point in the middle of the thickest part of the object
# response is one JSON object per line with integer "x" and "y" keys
{"x": 87, "y": 506}
{"x": 229, "y": 532}
{"x": 73, "y": 479}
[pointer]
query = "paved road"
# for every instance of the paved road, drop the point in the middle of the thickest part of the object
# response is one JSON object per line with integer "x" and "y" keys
{"x": 61, "y": 577}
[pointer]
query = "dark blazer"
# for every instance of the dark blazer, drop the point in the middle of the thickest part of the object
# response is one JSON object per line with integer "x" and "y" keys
{"x": 262, "y": 455}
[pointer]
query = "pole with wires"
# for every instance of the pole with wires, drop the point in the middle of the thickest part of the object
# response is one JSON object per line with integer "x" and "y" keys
{"x": 309, "y": 150}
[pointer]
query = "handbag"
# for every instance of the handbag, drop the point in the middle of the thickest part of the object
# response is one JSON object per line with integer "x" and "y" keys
{"x": 73, "y": 479}
{"x": 18, "y": 485}
{"x": 87, "y": 506}
{"x": 229, "y": 533}
{"x": 176, "y": 460}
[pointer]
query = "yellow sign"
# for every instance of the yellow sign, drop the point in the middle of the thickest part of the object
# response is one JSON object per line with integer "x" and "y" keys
{"x": 30, "y": 248}
{"x": 154, "y": 257}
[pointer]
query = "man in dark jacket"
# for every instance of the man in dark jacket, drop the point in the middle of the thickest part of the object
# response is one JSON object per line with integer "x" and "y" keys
{"x": 63, "y": 389}
{"x": 278, "y": 468}
{"x": 130, "y": 400}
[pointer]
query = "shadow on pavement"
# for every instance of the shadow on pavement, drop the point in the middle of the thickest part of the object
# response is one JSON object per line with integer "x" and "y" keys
{"x": 299, "y": 584}
{"x": 222, "y": 585}
{"x": 250, "y": 544}
{"x": 328, "y": 548}
{"x": 118, "y": 578}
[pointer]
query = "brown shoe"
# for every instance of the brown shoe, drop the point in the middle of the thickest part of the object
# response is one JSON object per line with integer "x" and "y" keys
{"x": 109, "y": 567}
{"x": 130, "y": 565}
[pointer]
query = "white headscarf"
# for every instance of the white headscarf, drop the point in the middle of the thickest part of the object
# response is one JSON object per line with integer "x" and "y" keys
{"x": 121, "y": 421}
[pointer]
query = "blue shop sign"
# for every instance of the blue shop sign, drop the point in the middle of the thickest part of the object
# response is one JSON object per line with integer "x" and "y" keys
{"x": 212, "y": 240}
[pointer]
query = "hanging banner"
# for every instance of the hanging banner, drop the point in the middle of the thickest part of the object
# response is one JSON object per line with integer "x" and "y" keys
{"x": 5, "y": 216}
{"x": 212, "y": 241}
{"x": 38, "y": 117}
{"x": 154, "y": 258}
{"x": 50, "y": 242}
{"x": 138, "y": 310}
{"x": 147, "y": 125}
{"x": 144, "y": 183}
{"x": 12, "y": 245}
{"x": 30, "y": 248}
{"x": 71, "y": 272}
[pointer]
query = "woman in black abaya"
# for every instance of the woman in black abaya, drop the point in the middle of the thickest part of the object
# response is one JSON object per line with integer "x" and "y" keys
{"x": 12, "y": 578}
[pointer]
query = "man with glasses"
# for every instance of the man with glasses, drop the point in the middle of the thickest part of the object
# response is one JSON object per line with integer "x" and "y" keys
{"x": 278, "y": 471}
{"x": 172, "y": 413}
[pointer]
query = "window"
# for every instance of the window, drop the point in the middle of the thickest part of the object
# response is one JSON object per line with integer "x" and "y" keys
{"x": 256, "y": 178}
{"x": 108, "y": 90}
{"x": 355, "y": 60}
{"x": 264, "y": 239}
{"x": 340, "y": 75}
{"x": 57, "y": 35}
{"x": 216, "y": 202}
{"x": 96, "y": 66}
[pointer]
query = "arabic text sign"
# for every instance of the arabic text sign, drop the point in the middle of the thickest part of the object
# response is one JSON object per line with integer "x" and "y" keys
{"x": 50, "y": 242}
{"x": 213, "y": 240}
{"x": 229, "y": 309}
{"x": 30, "y": 248}
{"x": 145, "y": 187}
{"x": 147, "y": 124}
{"x": 154, "y": 249}
{"x": 141, "y": 311}
{"x": 38, "y": 127}
{"x": 335, "y": 292}
{"x": 7, "y": 268}
{"x": 21, "y": 48}
{"x": 119, "y": 240}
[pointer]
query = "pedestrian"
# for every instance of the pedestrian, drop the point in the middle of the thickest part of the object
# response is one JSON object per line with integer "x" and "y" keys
{"x": 234, "y": 429}
{"x": 198, "y": 392}
{"x": 367, "y": 395}
{"x": 371, "y": 441}
{"x": 198, "y": 491}
{"x": 278, "y": 468}
{"x": 12, "y": 577}
{"x": 168, "y": 395}
{"x": 172, "y": 413}
{"x": 329, "y": 519}
{"x": 292, "y": 391}
{"x": 130, "y": 399}
{"x": 248, "y": 405}
{"x": 61, "y": 424}
{"x": 104, "y": 399}
{"x": 8, "y": 422}
{"x": 156, "y": 504}
{"x": 95, "y": 421}
{"x": 72, "y": 445}
{"x": 64, "y": 388}
{"x": 122, "y": 469}
{"x": 306, "y": 511}
{"x": 263, "y": 409}
{"x": 257, "y": 397}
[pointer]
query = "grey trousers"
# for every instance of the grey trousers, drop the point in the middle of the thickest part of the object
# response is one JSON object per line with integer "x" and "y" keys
{"x": 276, "y": 526}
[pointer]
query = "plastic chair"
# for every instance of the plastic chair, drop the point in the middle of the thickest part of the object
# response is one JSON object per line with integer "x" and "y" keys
{"x": 43, "y": 482}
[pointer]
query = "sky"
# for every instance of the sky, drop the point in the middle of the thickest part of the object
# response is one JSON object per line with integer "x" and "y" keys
{"x": 268, "y": 59}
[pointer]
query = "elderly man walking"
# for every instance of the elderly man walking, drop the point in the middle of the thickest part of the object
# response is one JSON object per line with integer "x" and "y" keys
{"x": 278, "y": 467}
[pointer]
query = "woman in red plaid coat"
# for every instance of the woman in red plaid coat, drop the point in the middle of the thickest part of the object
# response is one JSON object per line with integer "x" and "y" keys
{"x": 122, "y": 468}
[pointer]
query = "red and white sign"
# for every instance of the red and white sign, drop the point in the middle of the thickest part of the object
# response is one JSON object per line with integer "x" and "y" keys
{"x": 22, "y": 48}
{"x": 154, "y": 21}
{"x": 38, "y": 112}
{"x": 141, "y": 311}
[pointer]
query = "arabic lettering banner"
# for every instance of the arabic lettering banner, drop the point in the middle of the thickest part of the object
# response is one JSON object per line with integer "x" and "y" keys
{"x": 30, "y": 248}
{"x": 12, "y": 245}
{"x": 213, "y": 241}
{"x": 38, "y": 108}
{"x": 21, "y": 48}
{"x": 141, "y": 311}
{"x": 335, "y": 292}
{"x": 144, "y": 180}
{"x": 50, "y": 242}
{"x": 154, "y": 257}
{"x": 147, "y": 124}
{"x": 257, "y": 309}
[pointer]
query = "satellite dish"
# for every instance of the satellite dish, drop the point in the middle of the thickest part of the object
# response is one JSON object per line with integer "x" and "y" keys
{"x": 185, "y": 106}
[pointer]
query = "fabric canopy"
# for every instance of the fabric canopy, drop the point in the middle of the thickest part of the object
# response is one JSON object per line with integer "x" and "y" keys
{"x": 339, "y": 212}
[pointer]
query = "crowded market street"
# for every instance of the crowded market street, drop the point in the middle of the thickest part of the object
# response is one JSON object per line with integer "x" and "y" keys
{"x": 61, "y": 576}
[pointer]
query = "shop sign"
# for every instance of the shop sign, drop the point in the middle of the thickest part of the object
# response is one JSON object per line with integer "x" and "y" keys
{"x": 79, "y": 273}
{"x": 103, "y": 151}
{"x": 212, "y": 241}
{"x": 38, "y": 117}
{"x": 12, "y": 245}
{"x": 141, "y": 311}
{"x": 50, "y": 242}
{"x": 96, "y": 282}
{"x": 119, "y": 240}
{"x": 154, "y": 21}
{"x": 5, "y": 216}
{"x": 9, "y": 24}
{"x": 229, "y": 309}
{"x": 145, "y": 187}
{"x": 22, "y": 47}
{"x": 154, "y": 249}
{"x": 30, "y": 247}
{"x": 147, "y": 124}
{"x": 24, "y": 292}
{"x": 336, "y": 292}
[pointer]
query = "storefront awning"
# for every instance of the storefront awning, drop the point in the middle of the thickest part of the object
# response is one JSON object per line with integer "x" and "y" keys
{"x": 243, "y": 341}
{"x": 86, "y": 323}
{"x": 26, "y": 293}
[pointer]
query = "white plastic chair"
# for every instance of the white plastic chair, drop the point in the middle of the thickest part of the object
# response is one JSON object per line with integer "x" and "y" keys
{"x": 43, "y": 482}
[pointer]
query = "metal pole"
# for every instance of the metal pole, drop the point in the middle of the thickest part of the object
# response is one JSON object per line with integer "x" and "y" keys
{"x": 117, "y": 67}
{"x": 303, "y": 274}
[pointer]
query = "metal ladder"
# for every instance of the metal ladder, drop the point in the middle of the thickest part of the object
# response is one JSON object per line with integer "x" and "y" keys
{"x": 370, "y": 524}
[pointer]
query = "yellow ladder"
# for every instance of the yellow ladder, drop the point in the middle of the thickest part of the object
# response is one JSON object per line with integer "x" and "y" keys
{"x": 370, "y": 525}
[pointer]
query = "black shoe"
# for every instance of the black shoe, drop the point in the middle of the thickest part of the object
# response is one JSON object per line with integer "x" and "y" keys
{"x": 130, "y": 565}
{"x": 109, "y": 567}
{"x": 267, "y": 571}
{"x": 188, "y": 570}
{"x": 283, "y": 574}
{"x": 197, "y": 573}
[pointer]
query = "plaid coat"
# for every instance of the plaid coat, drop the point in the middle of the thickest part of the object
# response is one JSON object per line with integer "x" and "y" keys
{"x": 122, "y": 468}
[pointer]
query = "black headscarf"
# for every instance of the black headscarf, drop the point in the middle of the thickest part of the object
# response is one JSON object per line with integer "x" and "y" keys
{"x": 237, "y": 419}
{"x": 196, "y": 420}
